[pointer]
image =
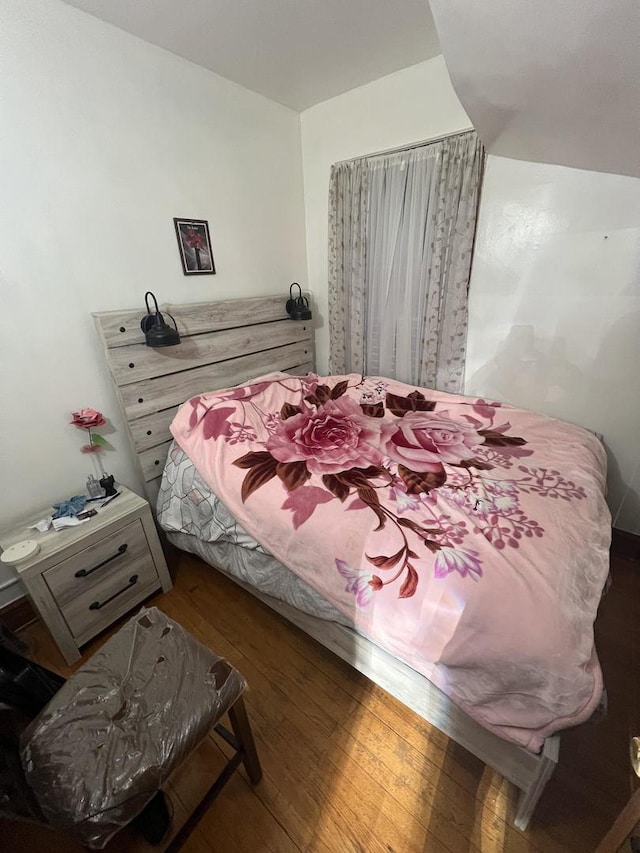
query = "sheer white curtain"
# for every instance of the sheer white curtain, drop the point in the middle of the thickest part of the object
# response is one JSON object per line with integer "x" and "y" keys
{"x": 407, "y": 283}
{"x": 400, "y": 233}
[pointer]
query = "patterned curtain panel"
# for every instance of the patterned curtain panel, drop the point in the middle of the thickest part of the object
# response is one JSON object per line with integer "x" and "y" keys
{"x": 401, "y": 238}
{"x": 347, "y": 266}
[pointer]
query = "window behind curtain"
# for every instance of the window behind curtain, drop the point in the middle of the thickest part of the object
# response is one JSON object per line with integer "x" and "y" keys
{"x": 401, "y": 236}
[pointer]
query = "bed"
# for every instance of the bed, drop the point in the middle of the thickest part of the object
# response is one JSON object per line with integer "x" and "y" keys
{"x": 222, "y": 349}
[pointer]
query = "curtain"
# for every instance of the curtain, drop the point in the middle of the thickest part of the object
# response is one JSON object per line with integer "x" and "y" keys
{"x": 401, "y": 238}
{"x": 347, "y": 265}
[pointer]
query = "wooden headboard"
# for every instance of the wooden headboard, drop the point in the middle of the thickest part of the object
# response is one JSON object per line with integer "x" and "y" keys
{"x": 223, "y": 343}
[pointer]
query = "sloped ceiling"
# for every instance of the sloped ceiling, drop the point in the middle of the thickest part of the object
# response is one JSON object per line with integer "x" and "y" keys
{"x": 553, "y": 81}
{"x": 296, "y": 52}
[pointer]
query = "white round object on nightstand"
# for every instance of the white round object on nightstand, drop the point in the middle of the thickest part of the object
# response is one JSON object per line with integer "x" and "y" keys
{"x": 20, "y": 552}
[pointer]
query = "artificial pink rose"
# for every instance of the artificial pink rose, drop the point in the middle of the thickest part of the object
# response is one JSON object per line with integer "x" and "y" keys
{"x": 423, "y": 441}
{"x": 331, "y": 439}
{"x": 87, "y": 418}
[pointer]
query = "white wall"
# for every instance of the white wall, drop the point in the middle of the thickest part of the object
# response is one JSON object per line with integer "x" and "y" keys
{"x": 554, "y": 319}
{"x": 104, "y": 139}
{"x": 550, "y": 82}
{"x": 554, "y": 314}
{"x": 408, "y": 106}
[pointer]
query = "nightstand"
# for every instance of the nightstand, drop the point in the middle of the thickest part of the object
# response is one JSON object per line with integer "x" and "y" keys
{"x": 85, "y": 577}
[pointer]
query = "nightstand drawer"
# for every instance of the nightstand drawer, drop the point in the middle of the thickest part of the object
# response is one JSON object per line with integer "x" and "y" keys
{"x": 103, "y": 580}
{"x": 92, "y": 565}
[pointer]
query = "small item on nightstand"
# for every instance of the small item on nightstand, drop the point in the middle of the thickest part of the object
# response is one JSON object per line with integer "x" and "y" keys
{"x": 107, "y": 482}
{"x": 94, "y": 489}
{"x": 109, "y": 499}
{"x": 87, "y": 513}
{"x": 69, "y": 508}
{"x": 20, "y": 552}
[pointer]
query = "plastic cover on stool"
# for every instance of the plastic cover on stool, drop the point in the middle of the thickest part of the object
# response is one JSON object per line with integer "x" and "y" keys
{"x": 108, "y": 740}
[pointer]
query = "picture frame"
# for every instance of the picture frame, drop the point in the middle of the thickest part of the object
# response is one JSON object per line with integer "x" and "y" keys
{"x": 194, "y": 244}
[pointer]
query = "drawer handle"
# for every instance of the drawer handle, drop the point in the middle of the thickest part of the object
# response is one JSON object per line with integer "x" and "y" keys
{"x": 83, "y": 573}
{"x": 98, "y": 605}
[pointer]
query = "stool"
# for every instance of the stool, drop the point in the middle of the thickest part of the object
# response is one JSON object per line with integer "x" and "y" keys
{"x": 109, "y": 739}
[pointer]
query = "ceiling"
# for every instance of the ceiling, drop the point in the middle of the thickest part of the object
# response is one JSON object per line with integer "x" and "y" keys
{"x": 296, "y": 52}
{"x": 553, "y": 82}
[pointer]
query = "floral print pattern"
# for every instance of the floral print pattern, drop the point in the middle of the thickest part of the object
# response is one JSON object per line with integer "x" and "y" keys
{"x": 426, "y": 441}
{"x": 474, "y": 572}
{"x": 399, "y": 457}
{"x": 329, "y": 438}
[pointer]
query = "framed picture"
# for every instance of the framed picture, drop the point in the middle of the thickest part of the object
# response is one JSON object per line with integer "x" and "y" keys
{"x": 195, "y": 246}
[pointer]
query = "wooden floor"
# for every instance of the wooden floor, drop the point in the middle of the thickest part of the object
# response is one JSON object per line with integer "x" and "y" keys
{"x": 348, "y": 768}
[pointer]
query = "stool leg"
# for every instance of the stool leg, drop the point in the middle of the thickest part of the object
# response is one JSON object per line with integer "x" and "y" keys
{"x": 244, "y": 737}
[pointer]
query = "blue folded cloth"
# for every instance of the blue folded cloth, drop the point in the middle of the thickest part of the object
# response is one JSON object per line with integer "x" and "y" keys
{"x": 69, "y": 508}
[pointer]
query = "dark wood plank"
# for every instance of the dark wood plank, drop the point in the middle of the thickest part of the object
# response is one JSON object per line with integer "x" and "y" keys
{"x": 625, "y": 545}
{"x": 17, "y": 614}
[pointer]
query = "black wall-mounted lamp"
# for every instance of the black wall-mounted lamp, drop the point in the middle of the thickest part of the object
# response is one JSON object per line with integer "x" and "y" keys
{"x": 298, "y": 306}
{"x": 156, "y": 331}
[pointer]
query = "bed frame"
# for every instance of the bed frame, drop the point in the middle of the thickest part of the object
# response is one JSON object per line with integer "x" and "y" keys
{"x": 231, "y": 341}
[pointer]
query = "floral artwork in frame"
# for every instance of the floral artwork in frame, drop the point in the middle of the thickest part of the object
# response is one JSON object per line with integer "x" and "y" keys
{"x": 194, "y": 243}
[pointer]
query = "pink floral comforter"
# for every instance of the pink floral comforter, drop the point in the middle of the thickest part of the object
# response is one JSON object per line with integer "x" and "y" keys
{"x": 468, "y": 538}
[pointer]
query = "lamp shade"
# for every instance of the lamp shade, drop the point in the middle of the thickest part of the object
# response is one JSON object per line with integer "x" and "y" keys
{"x": 158, "y": 333}
{"x": 298, "y": 306}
